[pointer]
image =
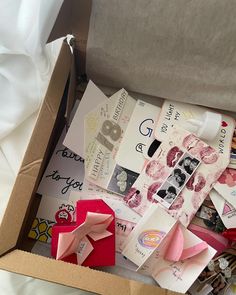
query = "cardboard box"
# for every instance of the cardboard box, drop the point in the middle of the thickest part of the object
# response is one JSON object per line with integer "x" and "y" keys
{"x": 15, "y": 246}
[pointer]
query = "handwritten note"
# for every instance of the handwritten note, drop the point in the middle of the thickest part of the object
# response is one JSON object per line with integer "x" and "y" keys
{"x": 64, "y": 173}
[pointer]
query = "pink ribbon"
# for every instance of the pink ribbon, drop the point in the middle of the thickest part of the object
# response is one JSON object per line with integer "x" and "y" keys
{"x": 94, "y": 226}
{"x": 175, "y": 250}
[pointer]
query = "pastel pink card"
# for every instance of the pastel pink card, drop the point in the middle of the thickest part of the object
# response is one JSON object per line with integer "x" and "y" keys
{"x": 90, "y": 241}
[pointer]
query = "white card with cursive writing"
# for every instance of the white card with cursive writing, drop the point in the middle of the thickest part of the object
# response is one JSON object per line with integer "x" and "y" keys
{"x": 65, "y": 172}
{"x": 137, "y": 136}
{"x": 225, "y": 210}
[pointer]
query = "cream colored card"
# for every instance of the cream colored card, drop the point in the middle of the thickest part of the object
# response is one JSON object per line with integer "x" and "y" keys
{"x": 178, "y": 276}
{"x": 174, "y": 113}
{"x": 152, "y": 229}
{"x": 137, "y": 136}
{"x": 226, "y": 211}
{"x": 171, "y": 162}
{"x": 104, "y": 130}
{"x": 74, "y": 139}
{"x": 226, "y": 186}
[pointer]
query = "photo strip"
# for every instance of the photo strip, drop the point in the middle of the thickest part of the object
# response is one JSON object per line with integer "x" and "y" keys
{"x": 188, "y": 163}
{"x": 177, "y": 180}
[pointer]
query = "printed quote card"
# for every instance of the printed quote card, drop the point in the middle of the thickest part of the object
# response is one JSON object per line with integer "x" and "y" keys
{"x": 64, "y": 173}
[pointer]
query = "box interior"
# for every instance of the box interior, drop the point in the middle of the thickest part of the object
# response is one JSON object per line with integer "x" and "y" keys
{"x": 20, "y": 213}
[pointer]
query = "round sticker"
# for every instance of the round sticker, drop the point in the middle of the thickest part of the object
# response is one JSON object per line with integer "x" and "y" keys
{"x": 150, "y": 238}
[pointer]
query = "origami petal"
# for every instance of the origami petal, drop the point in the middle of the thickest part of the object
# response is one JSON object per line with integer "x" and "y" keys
{"x": 176, "y": 245}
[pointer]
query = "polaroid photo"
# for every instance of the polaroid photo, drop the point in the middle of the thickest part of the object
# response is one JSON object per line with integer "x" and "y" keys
{"x": 188, "y": 163}
{"x": 167, "y": 194}
{"x": 122, "y": 180}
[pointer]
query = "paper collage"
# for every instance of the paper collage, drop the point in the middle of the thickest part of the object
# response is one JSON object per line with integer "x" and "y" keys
{"x": 178, "y": 152}
{"x": 104, "y": 130}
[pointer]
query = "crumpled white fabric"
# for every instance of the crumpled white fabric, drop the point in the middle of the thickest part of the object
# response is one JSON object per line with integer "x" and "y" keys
{"x": 26, "y": 66}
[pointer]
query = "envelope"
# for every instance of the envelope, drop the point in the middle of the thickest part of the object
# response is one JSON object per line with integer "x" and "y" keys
{"x": 98, "y": 252}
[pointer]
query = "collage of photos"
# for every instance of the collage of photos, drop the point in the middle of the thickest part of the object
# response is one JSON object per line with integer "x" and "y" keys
{"x": 176, "y": 181}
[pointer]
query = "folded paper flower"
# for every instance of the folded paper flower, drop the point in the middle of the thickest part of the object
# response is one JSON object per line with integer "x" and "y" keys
{"x": 89, "y": 242}
{"x": 176, "y": 251}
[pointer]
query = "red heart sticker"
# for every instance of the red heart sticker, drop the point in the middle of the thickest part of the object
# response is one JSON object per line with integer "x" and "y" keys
{"x": 224, "y": 124}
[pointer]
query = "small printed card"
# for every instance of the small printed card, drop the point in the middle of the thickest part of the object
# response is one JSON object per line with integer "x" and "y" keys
{"x": 226, "y": 211}
{"x": 65, "y": 172}
{"x": 179, "y": 176}
{"x": 104, "y": 130}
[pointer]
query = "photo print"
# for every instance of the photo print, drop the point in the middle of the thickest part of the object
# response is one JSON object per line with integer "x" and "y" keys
{"x": 188, "y": 163}
{"x": 208, "y": 217}
{"x": 167, "y": 194}
{"x": 122, "y": 180}
{"x": 178, "y": 178}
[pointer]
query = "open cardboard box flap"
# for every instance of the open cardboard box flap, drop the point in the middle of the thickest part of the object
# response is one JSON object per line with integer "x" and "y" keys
{"x": 150, "y": 49}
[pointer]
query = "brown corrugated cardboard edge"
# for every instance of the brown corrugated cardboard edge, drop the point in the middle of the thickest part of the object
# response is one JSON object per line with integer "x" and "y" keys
{"x": 75, "y": 276}
{"x": 25, "y": 182}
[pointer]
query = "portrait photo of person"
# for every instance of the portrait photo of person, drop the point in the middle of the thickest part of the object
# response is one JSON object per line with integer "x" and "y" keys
{"x": 177, "y": 178}
{"x": 168, "y": 194}
{"x": 188, "y": 164}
